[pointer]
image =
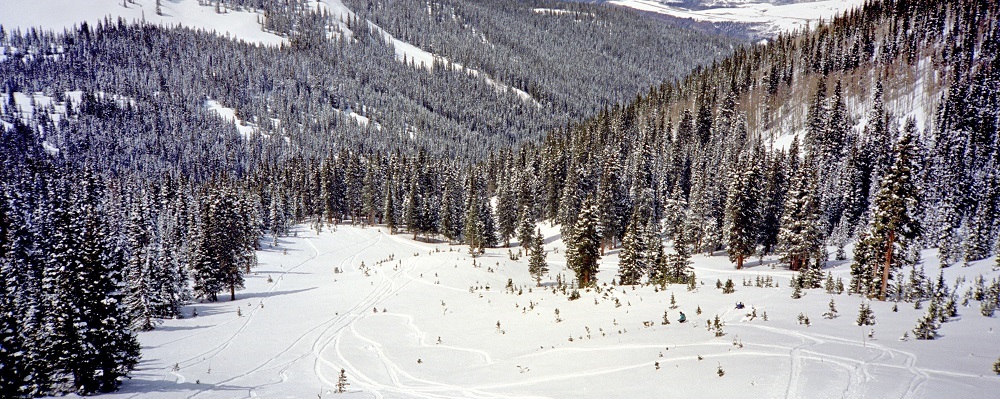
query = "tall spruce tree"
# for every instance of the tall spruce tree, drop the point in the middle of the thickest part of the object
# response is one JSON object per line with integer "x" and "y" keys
{"x": 507, "y": 209}
{"x": 536, "y": 258}
{"x": 525, "y": 227}
{"x": 800, "y": 238}
{"x": 742, "y": 215}
{"x": 583, "y": 249}
{"x": 641, "y": 246}
{"x": 894, "y": 227}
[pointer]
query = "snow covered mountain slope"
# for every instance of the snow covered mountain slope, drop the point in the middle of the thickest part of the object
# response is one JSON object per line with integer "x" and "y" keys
{"x": 59, "y": 14}
{"x": 767, "y": 17}
{"x": 405, "y": 319}
{"x": 408, "y": 53}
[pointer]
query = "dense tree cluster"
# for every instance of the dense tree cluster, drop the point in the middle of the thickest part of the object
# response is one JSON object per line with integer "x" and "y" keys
{"x": 140, "y": 191}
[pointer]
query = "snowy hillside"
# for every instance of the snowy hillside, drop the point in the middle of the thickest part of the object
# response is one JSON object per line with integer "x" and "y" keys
{"x": 413, "y": 320}
{"x": 767, "y": 17}
{"x": 59, "y": 14}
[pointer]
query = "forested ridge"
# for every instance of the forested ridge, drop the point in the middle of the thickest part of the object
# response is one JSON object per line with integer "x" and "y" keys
{"x": 153, "y": 210}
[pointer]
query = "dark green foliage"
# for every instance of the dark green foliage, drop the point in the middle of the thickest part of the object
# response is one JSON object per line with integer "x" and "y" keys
{"x": 927, "y": 326}
{"x": 800, "y": 237}
{"x": 895, "y": 227}
{"x": 865, "y": 315}
{"x": 583, "y": 248}
{"x": 642, "y": 249}
{"x": 675, "y": 268}
{"x": 729, "y": 287}
{"x": 224, "y": 243}
{"x": 742, "y": 214}
{"x": 536, "y": 258}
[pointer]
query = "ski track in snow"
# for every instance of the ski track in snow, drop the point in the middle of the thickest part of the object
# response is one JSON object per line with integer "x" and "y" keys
{"x": 862, "y": 369}
{"x": 377, "y": 348}
{"x": 209, "y": 354}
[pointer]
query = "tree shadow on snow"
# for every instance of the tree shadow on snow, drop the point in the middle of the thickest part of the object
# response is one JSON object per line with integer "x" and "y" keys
{"x": 262, "y": 295}
{"x": 274, "y": 273}
{"x": 766, "y": 263}
{"x": 142, "y": 385}
{"x": 179, "y": 328}
{"x": 549, "y": 240}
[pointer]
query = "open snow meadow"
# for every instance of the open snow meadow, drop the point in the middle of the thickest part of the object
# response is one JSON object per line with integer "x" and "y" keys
{"x": 407, "y": 319}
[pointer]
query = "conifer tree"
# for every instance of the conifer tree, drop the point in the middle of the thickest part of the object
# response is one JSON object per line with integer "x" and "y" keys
{"x": 92, "y": 348}
{"x": 224, "y": 245}
{"x": 451, "y": 207}
{"x": 525, "y": 227}
{"x": 927, "y": 326}
{"x": 536, "y": 258}
{"x": 14, "y": 361}
{"x": 140, "y": 299}
{"x": 865, "y": 315}
{"x": 507, "y": 210}
{"x": 342, "y": 383}
{"x": 570, "y": 202}
{"x": 480, "y": 231}
{"x": 414, "y": 216}
{"x": 612, "y": 201}
{"x": 371, "y": 201}
{"x": 800, "y": 237}
{"x": 741, "y": 216}
{"x": 674, "y": 217}
{"x": 641, "y": 246}
{"x": 630, "y": 265}
{"x": 894, "y": 226}
{"x": 472, "y": 234}
{"x": 772, "y": 204}
{"x": 816, "y": 121}
{"x": 677, "y": 266}
{"x": 389, "y": 208}
{"x": 831, "y": 313}
{"x": 583, "y": 250}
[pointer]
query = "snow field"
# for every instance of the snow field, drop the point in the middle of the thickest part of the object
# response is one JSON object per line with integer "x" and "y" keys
{"x": 59, "y": 14}
{"x": 381, "y": 323}
{"x": 770, "y": 18}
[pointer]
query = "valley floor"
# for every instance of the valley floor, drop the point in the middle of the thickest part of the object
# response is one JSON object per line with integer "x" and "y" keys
{"x": 406, "y": 319}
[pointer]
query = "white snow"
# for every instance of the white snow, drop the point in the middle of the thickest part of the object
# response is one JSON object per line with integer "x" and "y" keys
{"x": 551, "y": 11}
{"x": 246, "y": 129}
{"x": 774, "y": 18}
{"x": 409, "y": 53}
{"x": 359, "y": 119}
{"x": 557, "y": 11}
{"x": 59, "y": 14}
{"x": 49, "y": 148}
{"x": 415, "y": 320}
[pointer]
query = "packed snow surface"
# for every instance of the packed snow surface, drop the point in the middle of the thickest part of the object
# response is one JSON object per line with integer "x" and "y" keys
{"x": 407, "y": 319}
{"x": 772, "y": 18}
{"x": 63, "y": 14}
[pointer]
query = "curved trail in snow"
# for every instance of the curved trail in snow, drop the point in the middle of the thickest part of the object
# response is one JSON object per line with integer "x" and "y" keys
{"x": 862, "y": 371}
{"x": 207, "y": 355}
